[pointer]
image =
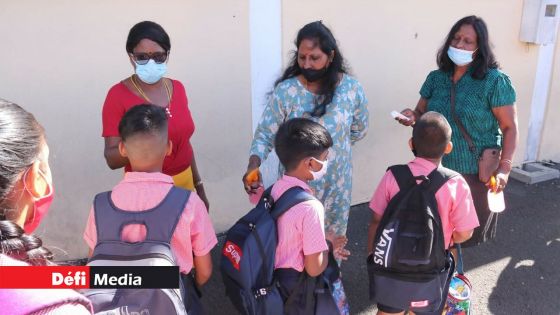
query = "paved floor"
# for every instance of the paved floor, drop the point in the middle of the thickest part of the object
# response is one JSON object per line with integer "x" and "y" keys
{"x": 518, "y": 273}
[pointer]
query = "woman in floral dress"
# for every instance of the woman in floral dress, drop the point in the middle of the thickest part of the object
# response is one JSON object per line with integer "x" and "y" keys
{"x": 316, "y": 86}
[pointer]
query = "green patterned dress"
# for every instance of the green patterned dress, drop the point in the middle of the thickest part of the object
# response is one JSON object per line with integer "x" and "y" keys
{"x": 475, "y": 100}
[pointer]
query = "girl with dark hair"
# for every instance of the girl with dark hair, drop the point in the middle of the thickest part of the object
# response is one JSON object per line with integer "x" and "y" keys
{"x": 478, "y": 101}
{"x": 26, "y": 192}
{"x": 316, "y": 85}
{"x": 148, "y": 47}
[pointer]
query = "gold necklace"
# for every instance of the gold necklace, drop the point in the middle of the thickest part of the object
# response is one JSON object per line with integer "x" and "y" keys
{"x": 141, "y": 92}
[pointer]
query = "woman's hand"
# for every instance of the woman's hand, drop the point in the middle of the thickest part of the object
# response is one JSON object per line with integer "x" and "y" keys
{"x": 252, "y": 179}
{"x": 501, "y": 180}
{"x": 410, "y": 114}
{"x": 414, "y": 114}
{"x": 498, "y": 182}
{"x": 339, "y": 243}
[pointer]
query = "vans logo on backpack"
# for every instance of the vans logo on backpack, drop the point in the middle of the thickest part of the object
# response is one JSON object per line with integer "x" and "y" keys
{"x": 233, "y": 253}
{"x": 382, "y": 248}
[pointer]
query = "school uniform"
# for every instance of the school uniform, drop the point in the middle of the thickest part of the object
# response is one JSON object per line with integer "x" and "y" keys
{"x": 454, "y": 200}
{"x": 301, "y": 232}
{"x": 139, "y": 191}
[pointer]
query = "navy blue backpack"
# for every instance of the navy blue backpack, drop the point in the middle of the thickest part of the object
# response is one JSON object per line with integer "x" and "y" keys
{"x": 247, "y": 262}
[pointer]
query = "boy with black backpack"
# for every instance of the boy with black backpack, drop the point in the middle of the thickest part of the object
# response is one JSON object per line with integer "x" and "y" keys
{"x": 145, "y": 220}
{"x": 274, "y": 258}
{"x": 419, "y": 210}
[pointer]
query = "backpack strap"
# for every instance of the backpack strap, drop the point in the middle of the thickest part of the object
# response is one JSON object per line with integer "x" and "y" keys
{"x": 403, "y": 175}
{"x": 439, "y": 177}
{"x": 289, "y": 199}
{"x": 160, "y": 221}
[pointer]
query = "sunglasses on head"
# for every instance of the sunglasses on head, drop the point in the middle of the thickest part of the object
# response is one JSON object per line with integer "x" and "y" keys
{"x": 143, "y": 58}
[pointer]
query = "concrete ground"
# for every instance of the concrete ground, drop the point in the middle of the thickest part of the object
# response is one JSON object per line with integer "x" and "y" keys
{"x": 518, "y": 273}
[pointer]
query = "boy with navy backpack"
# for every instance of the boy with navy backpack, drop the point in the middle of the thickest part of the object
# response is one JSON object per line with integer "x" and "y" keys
{"x": 274, "y": 258}
{"x": 145, "y": 209}
{"x": 419, "y": 210}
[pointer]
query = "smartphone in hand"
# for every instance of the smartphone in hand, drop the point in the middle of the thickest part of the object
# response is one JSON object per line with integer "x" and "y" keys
{"x": 398, "y": 115}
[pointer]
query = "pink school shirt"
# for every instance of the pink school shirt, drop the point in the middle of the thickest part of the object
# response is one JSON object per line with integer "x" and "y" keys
{"x": 194, "y": 234}
{"x": 301, "y": 230}
{"x": 455, "y": 204}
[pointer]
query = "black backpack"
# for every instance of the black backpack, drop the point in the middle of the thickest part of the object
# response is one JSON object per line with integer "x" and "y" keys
{"x": 247, "y": 262}
{"x": 409, "y": 248}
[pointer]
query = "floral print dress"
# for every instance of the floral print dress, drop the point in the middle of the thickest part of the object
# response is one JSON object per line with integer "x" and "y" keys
{"x": 346, "y": 119}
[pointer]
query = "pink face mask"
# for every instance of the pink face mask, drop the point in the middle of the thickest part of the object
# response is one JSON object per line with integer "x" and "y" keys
{"x": 40, "y": 206}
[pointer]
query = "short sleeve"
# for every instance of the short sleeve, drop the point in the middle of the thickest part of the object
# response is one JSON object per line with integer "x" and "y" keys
{"x": 203, "y": 236}
{"x": 272, "y": 116}
{"x": 112, "y": 113}
{"x": 383, "y": 193}
{"x": 314, "y": 229}
{"x": 360, "y": 119}
{"x": 502, "y": 92}
{"x": 463, "y": 215}
{"x": 428, "y": 86}
{"x": 90, "y": 233}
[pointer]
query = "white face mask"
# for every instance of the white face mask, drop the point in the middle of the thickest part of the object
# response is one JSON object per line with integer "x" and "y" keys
{"x": 460, "y": 57}
{"x": 320, "y": 173}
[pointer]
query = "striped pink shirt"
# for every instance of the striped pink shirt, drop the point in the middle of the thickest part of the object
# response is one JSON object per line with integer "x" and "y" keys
{"x": 301, "y": 230}
{"x": 455, "y": 204}
{"x": 194, "y": 234}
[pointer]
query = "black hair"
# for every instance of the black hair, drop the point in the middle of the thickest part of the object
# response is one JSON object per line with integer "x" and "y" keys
{"x": 147, "y": 30}
{"x": 299, "y": 138}
{"x": 143, "y": 119}
{"x": 21, "y": 140}
{"x": 483, "y": 58}
{"x": 430, "y": 135}
{"x": 323, "y": 37}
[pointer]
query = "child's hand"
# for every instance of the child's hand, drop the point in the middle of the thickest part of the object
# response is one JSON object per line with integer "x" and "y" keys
{"x": 339, "y": 242}
{"x": 341, "y": 254}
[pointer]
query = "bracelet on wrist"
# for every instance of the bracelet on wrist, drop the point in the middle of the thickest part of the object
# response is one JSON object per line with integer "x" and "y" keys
{"x": 506, "y": 161}
{"x": 198, "y": 183}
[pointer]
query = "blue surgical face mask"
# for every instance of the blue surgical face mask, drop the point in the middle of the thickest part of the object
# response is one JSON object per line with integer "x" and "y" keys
{"x": 151, "y": 72}
{"x": 460, "y": 57}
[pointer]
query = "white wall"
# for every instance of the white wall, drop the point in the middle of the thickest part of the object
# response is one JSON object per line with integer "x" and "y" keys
{"x": 550, "y": 143}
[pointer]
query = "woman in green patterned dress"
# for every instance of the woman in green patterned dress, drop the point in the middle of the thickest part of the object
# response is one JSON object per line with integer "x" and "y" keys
{"x": 484, "y": 103}
{"x": 316, "y": 86}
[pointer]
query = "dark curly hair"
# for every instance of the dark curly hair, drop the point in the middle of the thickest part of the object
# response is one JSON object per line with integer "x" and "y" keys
{"x": 21, "y": 138}
{"x": 322, "y": 35}
{"x": 484, "y": 58}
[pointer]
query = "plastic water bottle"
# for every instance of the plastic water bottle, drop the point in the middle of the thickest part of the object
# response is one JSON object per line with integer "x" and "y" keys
{"x": 496, "y": 201}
